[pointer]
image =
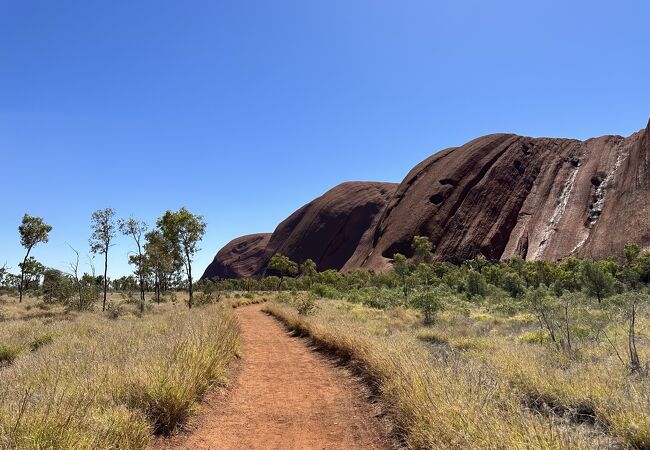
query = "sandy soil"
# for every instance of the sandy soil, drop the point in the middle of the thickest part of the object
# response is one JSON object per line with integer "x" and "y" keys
{"x": 285, "y": 396}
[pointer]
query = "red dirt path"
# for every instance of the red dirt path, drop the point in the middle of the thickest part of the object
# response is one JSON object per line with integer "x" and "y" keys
{"x": 285, "y": 396}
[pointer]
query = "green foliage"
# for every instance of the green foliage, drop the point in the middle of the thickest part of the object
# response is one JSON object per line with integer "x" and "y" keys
{"x": 422, "y": 249}
{"x": 283, "y": 266}
{"x": 513, "y": 284}
{"x": 325, "y": 291}
{"x": 476, "y": 285}
{"x": 32, "y": 271}
{"x": 430, "y": 301}
{"x": 598, "y": 282}
{"x": 57, "y": 287}
{"x": 308, "y": 268}
{"x": 33, "y": 230}
{"x": 183, "y": 231}
{"x": 8, "y": 353}
{"x": 305, "y": 303}
{"x": 103, "y": 230}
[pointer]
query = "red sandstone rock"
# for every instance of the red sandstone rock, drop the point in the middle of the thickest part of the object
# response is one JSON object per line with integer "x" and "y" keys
{"x": 239, "y": 258}
{"x": 498, "y": 196}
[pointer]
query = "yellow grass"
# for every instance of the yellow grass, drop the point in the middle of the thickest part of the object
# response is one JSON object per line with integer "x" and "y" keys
{"x": 437, "y": 398}
{"x": 87, "y": 381}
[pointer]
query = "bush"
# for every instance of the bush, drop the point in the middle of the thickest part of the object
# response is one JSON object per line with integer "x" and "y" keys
{"x": 41, "y": 340}
{"x": 8, "y": 354}
{"x": 325, "y": 291}
{"x": 429, "y": 302}
{"x": 305, "y": 303}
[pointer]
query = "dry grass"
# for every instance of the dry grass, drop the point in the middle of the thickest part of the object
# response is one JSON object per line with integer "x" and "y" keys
{"x": 88, "y": 381}
{"x": 588, "y": 396}
{"x": 438, "y": 398}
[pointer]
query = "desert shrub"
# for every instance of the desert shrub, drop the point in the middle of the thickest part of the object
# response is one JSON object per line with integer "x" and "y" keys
{"x": 41, "y": 340}
{"x": 475, "y": 284}
{"x": 207, "y": 298}
{"x": 284, "y": 297}
{"x": 305, "y": 303}
{"x": 325, "y": 291}
{"x": 8, "y": 353}
{"x": 429, "y": 302}
{"x": 534, "y": 337}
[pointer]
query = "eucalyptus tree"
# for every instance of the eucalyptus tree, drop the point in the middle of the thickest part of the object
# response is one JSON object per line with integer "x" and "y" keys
{"x": 422, "y": 249}
{"x": 283, "y": 266}
{"x": 183, "y": 230}
{"x": 33, "y": 230}
{"x": 103, "y": 227}
{"x": 136, "y": 229}
{"x": 159, "y": 258}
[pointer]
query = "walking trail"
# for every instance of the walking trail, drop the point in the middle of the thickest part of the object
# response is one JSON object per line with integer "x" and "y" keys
{"x": 285, "y": 396}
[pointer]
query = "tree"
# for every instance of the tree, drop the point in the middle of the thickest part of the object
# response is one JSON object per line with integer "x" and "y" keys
{"x": 136, "y": 229}
{"x": 628, "y": 304}
{"x": 597, "y": 281}
{"x": 429, "y": 302}
{"x": 103, "y": 226}
{"x": 183, "y": 230}
{"x": 642, "y": 267}
{"x": 3, "y": 274}
{"x": 159, "y": 258}
{"x": 476, "y": 284}
{"x": 631, "y": 251}
{"x": 283, "y": 266}
{"x": 425, "y": 273}
{"x": 402, "y": 269}
{"x": 513, "y": 284}
{"x": 57, "y": 286}
{"x": 423, "y": 249}
{"x": 308, "y": 270}
{"x": 31, "y": 271}
{"x": 33, "y": 230}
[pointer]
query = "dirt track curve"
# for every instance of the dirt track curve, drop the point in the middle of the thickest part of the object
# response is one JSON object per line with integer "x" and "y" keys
{"x": 285, "y": 396}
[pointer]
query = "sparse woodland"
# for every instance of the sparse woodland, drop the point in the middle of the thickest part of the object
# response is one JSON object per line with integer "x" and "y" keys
{"x": 512, "y": 354}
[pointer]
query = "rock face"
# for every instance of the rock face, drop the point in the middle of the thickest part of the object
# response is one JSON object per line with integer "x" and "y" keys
{"x": 498, "y": 196}
{"x": 240, "y": 258}
{"x": 329, "y": 229}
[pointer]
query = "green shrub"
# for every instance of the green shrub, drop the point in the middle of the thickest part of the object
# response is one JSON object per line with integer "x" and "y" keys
{"x": 8, "y": 354}
{"x": 41, "y": 340}
{"x": 325, "y": 291}
{"x": 305, "y": 303}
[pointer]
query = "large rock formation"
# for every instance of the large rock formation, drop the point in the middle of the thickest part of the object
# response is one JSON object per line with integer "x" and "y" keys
{"x": 326, "y": 230}
{"x": 498, "y": 196}
{"x": 240, "y": 258}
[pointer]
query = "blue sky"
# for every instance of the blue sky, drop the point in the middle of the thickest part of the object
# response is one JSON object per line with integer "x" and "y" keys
{"x": 242, "y": 111}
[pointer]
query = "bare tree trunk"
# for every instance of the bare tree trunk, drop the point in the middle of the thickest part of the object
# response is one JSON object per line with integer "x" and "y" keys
{"x": 22, "y": 276}
{"x": 568, "y": 331}
{"x": 105, "y": 277}
{"x": 157, "y": 286}
{"x": 634, "y": 355}
{"x": 189, "y": 278}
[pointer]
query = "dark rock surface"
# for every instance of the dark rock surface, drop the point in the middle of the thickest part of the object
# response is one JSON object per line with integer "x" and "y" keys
{"x": 498, "y": 196}
{"x": 239, "y": 258}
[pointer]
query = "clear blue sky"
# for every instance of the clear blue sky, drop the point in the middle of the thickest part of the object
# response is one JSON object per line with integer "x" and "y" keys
{"x": 244, "y": 110}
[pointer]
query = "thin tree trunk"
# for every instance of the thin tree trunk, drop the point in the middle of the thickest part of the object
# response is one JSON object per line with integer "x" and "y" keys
{"x": 568, "y": 331}
{"x": 105, "y": 279}
{"x": 189, "y": 277}
{"x": 634, "y": 355}
{"x": 22, "y": 276}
